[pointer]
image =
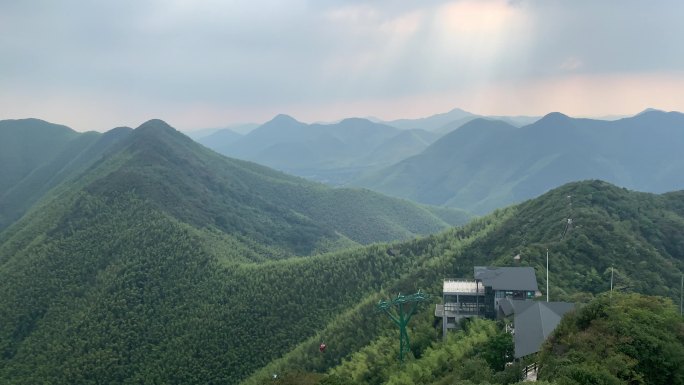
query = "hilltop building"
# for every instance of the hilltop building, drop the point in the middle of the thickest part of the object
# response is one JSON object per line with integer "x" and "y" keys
{"x": 503, "y": 293}
{"x": 533, "y": 322}
{"x": 480, "y": 297}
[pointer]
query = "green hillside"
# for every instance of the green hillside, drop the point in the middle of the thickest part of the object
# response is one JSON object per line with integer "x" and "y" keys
{"x": 36, "y": 156}
{"x": 165, "y": 263}
{"x": 197, "y": 186}
{"x": 638, "y": 234}
{"x": 617, "y": 339}
{"x": 489, "y": 164}
{"x": 142, "y": 269}
{"x": 27, "y": 144}
{"x": 194, "y": 185}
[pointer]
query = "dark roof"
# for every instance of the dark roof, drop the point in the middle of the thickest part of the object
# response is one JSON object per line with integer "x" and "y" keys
{"x": 533, "y": 321}
{"x": 507, "y": 278}
{"x": 506, "y": 307}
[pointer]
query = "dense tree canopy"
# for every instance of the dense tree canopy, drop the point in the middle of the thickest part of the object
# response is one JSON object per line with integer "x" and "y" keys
{"x": 617, "y": 339}
{"x": 132, "y": 273}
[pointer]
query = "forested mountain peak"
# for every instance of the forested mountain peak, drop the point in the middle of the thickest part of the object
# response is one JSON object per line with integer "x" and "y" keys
{"x": 554, "y": 116}
{"x": 655, "y": 119}
{"x": 281, "y": 127}
{"x": 284, "y": 215}
{"x": 160, "y": 237}
{"x": 649, "y": 109}
{"x": 155, "y": 124}
{"x": 33, "y": 124}
{"x": 157, "y": 129}
{"x": 480, "y": 124}
{"x": 355, "y": 122}
{"x": 434, "y": 122}
{"x": 118, "y": 131}
{"x": 283, "y": 119}
{"x": 554, "y": 120}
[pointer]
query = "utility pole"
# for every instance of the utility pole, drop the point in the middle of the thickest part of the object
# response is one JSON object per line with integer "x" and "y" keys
{"x": 681, "y": 296}
{"x": 611, "y": 282}
{"x": 547, "y": 275}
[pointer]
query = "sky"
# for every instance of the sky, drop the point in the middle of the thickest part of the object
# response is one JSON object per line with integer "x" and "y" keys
{"x": 95, "y": 65}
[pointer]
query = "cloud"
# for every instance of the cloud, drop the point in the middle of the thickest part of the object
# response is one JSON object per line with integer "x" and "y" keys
{"x": 572, "y": 63}
{"x": 234, "y": 61}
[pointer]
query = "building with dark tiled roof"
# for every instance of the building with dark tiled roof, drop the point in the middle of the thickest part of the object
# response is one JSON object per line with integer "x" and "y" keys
{"x": 480, "y": 296}
{"x": 533, "y": 322}
{"x": 505, "y": 282}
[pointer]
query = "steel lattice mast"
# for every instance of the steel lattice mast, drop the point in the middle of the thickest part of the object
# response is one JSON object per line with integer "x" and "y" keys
{"x": 400, "y": 310}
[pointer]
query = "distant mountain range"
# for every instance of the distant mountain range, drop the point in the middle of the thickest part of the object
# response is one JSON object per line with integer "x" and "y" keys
{"x": 330, "y": 153}
{"x": 449, "y": 121}
{"x": 459, "y": 159}
{"x": 336, "y": 153}
{"x": 233, "y": 129}
{"x": 487, "y": 164}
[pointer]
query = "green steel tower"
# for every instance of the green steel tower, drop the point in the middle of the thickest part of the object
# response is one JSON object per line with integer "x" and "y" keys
{"x": 400, "y": 310}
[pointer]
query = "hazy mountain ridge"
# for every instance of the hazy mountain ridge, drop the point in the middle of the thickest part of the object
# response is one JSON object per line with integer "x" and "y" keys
{"x": 333, "y": 153}
{"x": 486, "y": 164}
{"x": 336, "y": 153}
{"x": 220, "y": 139}
{"x": 446, "y": 122}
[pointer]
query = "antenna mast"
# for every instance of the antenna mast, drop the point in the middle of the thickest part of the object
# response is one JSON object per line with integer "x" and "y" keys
{"x": 611, "y": 282}
{"x": 547, "y": 275}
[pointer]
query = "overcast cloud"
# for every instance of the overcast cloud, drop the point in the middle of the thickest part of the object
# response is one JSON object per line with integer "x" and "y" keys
{"x": 94, "y": 65}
